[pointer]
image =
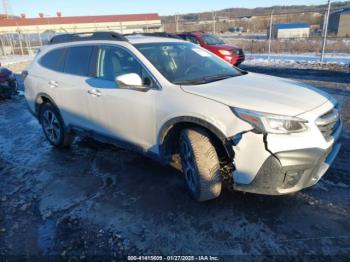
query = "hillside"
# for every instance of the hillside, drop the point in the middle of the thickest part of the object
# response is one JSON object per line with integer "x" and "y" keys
{"x": 252, "y": 20}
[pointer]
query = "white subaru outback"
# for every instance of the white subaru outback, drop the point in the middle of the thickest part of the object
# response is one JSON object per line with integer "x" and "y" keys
{"x": 166, "y": 97}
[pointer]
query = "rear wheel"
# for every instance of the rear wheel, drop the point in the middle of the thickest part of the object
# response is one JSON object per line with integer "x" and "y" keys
{"x": 200, "y": 164}
{"x": 53, "y": 126}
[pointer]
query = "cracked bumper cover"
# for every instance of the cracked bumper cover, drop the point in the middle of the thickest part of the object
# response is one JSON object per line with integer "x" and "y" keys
{"x": 281, "y": 172}
{"x": 288, "y": 172}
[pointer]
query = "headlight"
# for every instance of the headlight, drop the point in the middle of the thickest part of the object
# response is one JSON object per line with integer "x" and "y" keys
{"x": 225, "y": 52}
{"x": 270, "y": 123}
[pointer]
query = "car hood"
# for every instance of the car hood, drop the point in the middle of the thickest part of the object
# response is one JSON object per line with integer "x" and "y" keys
{"x": 262, "y": 93}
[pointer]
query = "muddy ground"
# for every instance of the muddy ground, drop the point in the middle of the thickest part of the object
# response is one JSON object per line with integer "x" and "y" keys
{"x": 94, "y": 199}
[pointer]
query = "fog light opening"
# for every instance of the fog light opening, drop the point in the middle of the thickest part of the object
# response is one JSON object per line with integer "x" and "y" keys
{"x": 292, "y": 178}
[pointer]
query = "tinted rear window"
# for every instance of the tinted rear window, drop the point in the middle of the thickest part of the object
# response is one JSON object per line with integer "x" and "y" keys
{"x": 77, "y": 60}
{"x": 53, "y": 60}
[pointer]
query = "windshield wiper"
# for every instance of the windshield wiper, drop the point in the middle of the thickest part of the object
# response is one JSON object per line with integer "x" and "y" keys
{"x": 218, "y": 77}
{"x": 205, "y": 80}
{"x": 191, "y": 82}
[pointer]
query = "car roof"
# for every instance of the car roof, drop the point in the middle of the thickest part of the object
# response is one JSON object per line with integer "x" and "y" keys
{"x": 142, "y": 39}
{"x": 132, "y": 39}
{"x": 196, "y": 33}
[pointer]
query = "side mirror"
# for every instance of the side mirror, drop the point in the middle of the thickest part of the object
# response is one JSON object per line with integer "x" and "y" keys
{"x": 129, "y": 81}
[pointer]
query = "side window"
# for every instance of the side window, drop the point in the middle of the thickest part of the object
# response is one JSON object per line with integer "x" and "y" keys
{"x": 53, "y": 60}
{"x": 77, "y": 60}
{"x": 113, "y": 62}
{"x": 193, "y": 39}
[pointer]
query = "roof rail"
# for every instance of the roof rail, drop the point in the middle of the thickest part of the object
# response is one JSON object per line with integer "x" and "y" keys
{"x": 64, "y": 38}
{"x": 160, "y": 34}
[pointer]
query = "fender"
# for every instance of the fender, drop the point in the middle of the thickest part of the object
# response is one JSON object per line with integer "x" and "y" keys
{"x": 38, "y": 98}
{"x": 167, "y": 126}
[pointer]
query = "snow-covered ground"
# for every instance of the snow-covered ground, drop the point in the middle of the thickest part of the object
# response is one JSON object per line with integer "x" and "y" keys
{"x": 9, "y": 60}
{"x": 339, "y": 58}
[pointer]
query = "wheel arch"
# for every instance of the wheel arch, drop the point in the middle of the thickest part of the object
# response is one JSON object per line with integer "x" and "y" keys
{"x": 41, "y": 99}
{"x": 170, "y": 131}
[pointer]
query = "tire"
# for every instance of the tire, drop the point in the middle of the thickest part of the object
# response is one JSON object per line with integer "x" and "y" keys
{"x": 200, "y": 164}
{"x": 53, "y": 126}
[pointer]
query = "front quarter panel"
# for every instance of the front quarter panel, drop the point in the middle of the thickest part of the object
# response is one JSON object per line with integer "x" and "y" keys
{"x": 175, "y": 103}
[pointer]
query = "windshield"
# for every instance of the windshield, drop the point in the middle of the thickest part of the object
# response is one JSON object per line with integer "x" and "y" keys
{"x": 212, "y": 40}
{"x": 186, "y": 63}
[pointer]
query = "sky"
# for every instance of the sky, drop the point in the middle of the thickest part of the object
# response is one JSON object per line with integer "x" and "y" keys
{"x": 164, "y": 7}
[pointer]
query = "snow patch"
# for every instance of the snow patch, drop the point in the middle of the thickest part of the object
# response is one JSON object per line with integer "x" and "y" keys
{"x": 10, "y": 60}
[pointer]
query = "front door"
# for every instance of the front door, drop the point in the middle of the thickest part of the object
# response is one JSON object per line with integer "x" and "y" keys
{"x": 125, "y": 114}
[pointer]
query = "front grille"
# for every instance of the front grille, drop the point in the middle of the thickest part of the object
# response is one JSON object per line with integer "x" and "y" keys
{"x": 328, "y": 123}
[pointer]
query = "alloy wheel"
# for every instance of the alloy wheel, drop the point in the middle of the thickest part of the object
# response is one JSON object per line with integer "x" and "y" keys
{"x": 51, "y": 126}
{"x": 188, "y": 165}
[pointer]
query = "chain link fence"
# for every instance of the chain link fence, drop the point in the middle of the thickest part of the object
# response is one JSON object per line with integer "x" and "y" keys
{"x": 26, "y": 43}
{"x": 251, "y": 30}
{"x": 14, "y": 44}
{"x": 335, "y": 46}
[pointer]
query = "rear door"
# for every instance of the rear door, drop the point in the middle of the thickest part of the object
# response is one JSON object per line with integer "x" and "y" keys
{"x": 43, "y": 74}
{"x": 71, "y": 86}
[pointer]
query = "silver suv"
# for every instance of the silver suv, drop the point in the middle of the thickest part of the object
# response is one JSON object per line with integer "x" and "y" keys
{"x": 166, "y": 97}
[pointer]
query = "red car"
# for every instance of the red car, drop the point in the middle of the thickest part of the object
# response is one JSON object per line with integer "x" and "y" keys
{"x": 231, "y": 53}
{"x": 8, "y": 83}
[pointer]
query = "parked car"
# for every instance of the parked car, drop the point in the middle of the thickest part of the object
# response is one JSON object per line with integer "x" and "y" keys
{"x": 160, "y": 34}
{"x": 166, "y": 97}
{"x": 8, "y": 83}
{"x": 230, "y": 53}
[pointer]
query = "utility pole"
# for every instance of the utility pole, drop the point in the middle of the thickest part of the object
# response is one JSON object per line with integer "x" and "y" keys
{"x": 270, "y": 35}
{"x": 121, "y": 27}
{"x": 325, "y": 30}
{"x": 214, "y": 21}
{"x": 3, "y": 48}
{"x": 177, "y": 23}
{"x": 39, "y": 36}
{"x": 20, "y": 42}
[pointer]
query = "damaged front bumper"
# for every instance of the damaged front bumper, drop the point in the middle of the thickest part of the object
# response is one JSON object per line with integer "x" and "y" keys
{"x": 288, "y": 172}
{"x": 275, "y": 165}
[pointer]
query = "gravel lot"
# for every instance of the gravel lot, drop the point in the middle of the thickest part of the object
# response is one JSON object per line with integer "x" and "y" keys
{"x": 94, "y": 199}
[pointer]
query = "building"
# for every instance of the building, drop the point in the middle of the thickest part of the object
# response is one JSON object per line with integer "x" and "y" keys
{"x": 339, "y": 23}
{"x": 290, "y": 31}
{"x": 71, "y": 24}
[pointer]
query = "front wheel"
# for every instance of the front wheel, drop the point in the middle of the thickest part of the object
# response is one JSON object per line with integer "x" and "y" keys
{"x": 200, "y": 164}
{"x": 53, "y": 126}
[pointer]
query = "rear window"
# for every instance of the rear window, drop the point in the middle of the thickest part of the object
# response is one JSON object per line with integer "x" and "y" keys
{"x": 53, "y": 60}
{"x": 77, "y": 60}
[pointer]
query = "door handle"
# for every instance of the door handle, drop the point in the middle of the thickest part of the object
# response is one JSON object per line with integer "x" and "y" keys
{"x": 53, "y": 83}
{"x": 94, "y": 92}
